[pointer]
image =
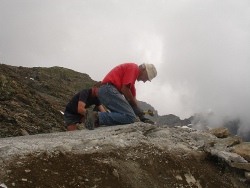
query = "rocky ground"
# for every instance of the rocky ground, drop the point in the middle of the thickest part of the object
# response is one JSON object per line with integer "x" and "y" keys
{"x": 137, "y": 155}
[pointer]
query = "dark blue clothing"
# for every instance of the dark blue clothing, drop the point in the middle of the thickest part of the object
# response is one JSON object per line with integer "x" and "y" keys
{"x": 85, "y": 96}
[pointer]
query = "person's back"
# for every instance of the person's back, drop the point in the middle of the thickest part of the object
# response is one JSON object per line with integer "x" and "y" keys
{"x": 75, "y": 111}
{"x": 123, "y": 74}
{"x": 85, "y": 96}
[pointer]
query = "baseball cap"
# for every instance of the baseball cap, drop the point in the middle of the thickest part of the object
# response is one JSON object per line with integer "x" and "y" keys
{"x": 151, "y": 70}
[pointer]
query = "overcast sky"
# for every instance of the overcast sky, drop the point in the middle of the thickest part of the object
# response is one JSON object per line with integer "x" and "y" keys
{"x": 201, "y": 48}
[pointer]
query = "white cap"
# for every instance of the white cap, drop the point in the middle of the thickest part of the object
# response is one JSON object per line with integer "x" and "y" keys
{"x": 151, "y": 70}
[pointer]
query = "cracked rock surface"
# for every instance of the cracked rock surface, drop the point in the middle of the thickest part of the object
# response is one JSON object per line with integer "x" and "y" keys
{"x": 135, "y": 155}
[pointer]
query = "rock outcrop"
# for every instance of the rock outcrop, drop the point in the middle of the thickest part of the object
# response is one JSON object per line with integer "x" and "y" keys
{"x": 136, "y": 155}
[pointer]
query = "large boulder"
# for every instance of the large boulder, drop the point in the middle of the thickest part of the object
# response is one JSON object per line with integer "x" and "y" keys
{"x": 221, "y": 132}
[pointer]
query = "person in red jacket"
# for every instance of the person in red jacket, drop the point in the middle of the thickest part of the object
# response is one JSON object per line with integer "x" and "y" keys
{"x": 118, "y": 94}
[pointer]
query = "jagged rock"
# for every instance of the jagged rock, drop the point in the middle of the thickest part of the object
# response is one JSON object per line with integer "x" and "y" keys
{"x": 228, "y": 156}
{"x": 243, "y": 149}
{"x": 24, "y": 132}
{"x": 247, "y": 175}
{"x": 220, "y": 132}
{"x": 245, "y": 166}
{"x": 231, "y": 141}
{"x": 223, "y": 149}
{"x": 227, "y": 143}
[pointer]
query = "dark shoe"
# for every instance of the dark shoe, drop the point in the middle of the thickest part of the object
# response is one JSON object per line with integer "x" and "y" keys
{"x": 91, "y": 119}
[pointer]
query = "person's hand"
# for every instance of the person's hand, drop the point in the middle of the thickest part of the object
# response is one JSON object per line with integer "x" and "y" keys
{"x": 140, "y": 114}
{"x": 138, "y": 111}
{"x": 146, "y": 120}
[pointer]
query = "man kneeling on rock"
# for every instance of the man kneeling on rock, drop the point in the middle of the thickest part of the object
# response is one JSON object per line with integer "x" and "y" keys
{"x": 118, "y": 94}
{"x": 76, "y": 112}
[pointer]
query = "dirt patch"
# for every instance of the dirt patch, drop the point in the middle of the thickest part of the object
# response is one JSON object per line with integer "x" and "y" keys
{"x": 140, "y": 167}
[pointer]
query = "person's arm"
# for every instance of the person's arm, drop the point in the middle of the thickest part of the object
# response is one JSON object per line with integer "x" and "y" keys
{"x": 132, "y": 101}
{"x": 134, "y": 104}
{"x": 128, "y": 95}
{"x": 101, "y": 108}
{"x": 81, "y": 108}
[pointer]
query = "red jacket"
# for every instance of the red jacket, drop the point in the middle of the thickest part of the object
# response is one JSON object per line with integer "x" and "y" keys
{"x": 123, "y": 74}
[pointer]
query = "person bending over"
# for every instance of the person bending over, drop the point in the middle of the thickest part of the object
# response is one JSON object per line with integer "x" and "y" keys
{"x": 75, "y": 111}
{"x": 118, "y": 94}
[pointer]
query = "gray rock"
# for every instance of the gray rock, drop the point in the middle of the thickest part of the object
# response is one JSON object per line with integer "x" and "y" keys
{"x": 138, "y": 150}
{"x": 243, "y": 149}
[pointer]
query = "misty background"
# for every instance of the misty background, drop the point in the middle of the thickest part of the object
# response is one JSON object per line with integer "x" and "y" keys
{"x": 201, "y": 48}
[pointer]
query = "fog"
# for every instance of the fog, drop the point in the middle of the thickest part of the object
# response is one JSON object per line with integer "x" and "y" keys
{"x": 199, "y": 47}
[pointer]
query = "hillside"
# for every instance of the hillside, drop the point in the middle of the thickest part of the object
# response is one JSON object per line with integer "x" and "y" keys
{"x": 31, "y": 98}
